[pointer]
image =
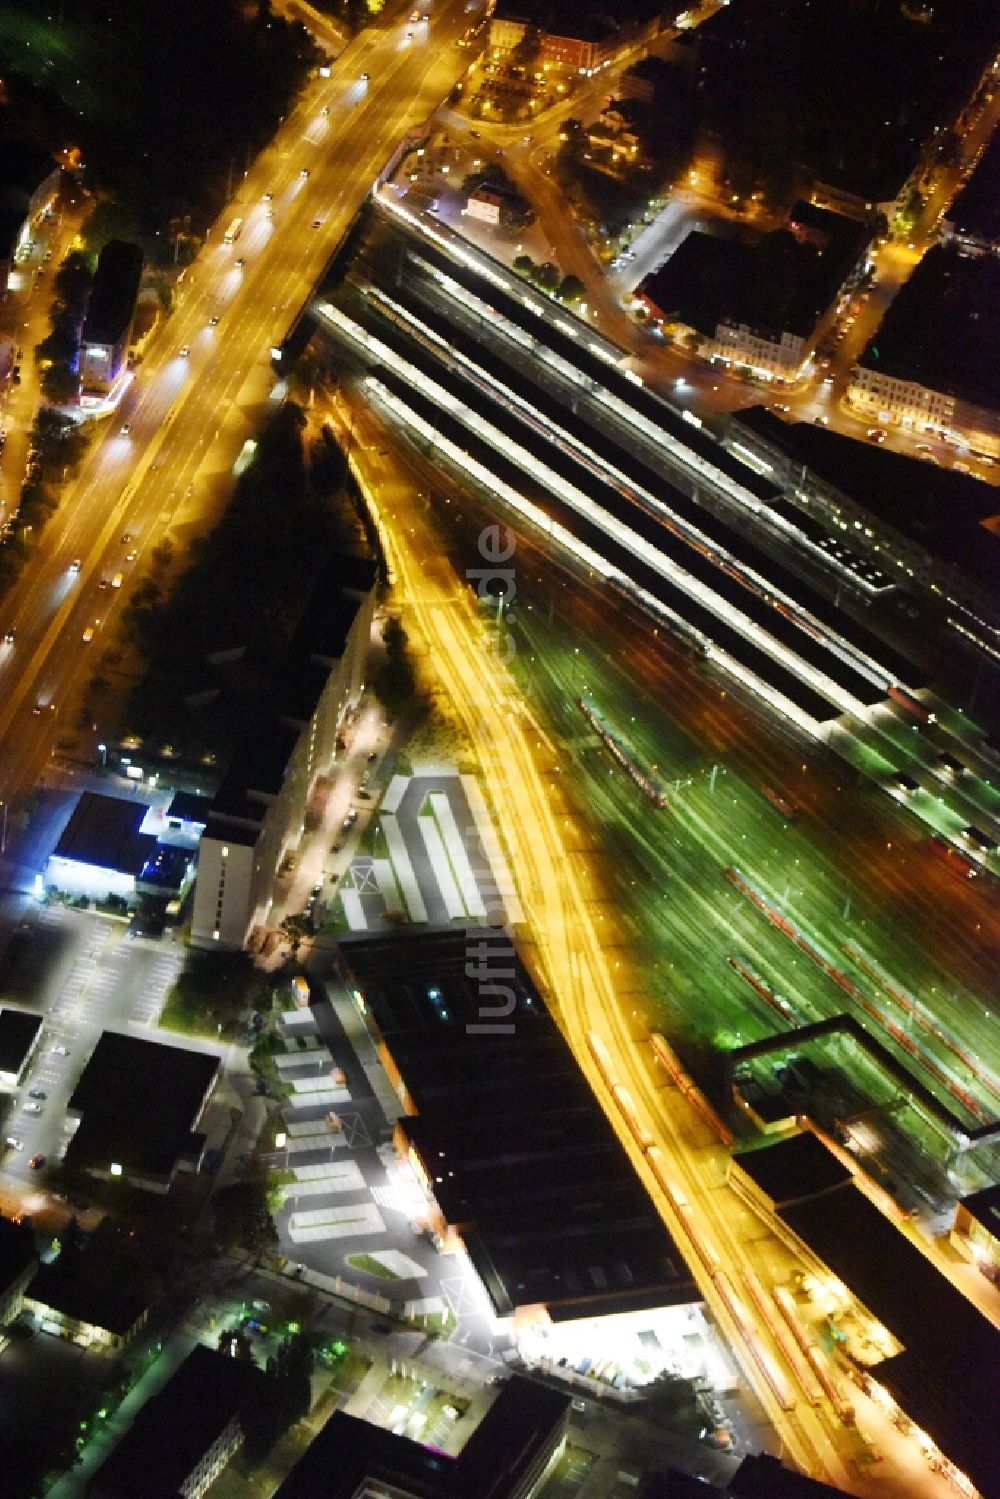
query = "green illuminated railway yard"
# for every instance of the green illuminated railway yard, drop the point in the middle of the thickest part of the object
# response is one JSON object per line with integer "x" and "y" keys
{"x": 849, "y": 868}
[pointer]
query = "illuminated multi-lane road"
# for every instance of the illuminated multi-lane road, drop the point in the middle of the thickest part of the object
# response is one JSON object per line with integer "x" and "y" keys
{"x": 190, "y": 414}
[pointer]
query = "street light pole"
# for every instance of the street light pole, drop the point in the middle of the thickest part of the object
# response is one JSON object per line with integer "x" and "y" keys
{"x": 3, "y": 834}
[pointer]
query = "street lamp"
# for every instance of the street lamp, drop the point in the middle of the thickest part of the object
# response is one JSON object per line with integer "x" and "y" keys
{"x": 3, "y": 833}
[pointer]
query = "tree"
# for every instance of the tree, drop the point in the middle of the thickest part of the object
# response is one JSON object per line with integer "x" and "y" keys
{"x": 242, "y": 1217}
{"x": 524, "y": 265}
{"x": 547, "y": 276}
{"x": 570, "y": 289}
{"x": 72, "y": 282}
{"x": 60, "y": 384}
{"x": 59, "y": 345}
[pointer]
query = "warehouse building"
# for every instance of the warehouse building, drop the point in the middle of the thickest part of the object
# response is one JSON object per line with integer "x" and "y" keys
{"x": 107, "y": 327}
{"x": 111, "y": 847}
{"x": 510, "y": 1455}
{"x": 520, "y": 1166}
{"x": 259, "y": 812}
{"x": 185, "y": 1435}
{"x": 137, "y": 1107}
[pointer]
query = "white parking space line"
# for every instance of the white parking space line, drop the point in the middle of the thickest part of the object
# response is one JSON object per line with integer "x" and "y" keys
{"x": 336, "y": 1223}
{"x": 339, "y": 1169}
{"x": 354, "y": 910}
{"x": 325, "y": 1095}
{"x": 403, "y": 869}
{"x": 455, "y": 846}
{"x": 394, "y": 794}
{"x": 387, "y": 887}
{"x": 442, "y": 869}
{"x": 303, "y": 1144}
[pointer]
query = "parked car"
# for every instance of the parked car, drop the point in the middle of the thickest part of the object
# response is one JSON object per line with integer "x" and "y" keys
{"x": 36, "y": 1163}
{"x": 37, "y": 1093}
{"x": 13, "y": 1143}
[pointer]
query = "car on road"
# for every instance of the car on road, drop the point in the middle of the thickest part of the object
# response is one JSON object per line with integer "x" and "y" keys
{"x": 41, "y": 706}
{"x": 13, "y": 1143}
{"x": 365, "y": 77}
{"x": 350, "y": 819}
{"x": 126, "y": 428}
{"x": 268, "y": 197}
{"x": 304, "y": 172}
{"x": 213, "y": 321}
{"x": 9, "y": 637}
{"x": 240, "y": 263}
{"x": 59, "y": 1050}
{"x": 74, "y": 566}
{"x": 326, "y": 109}
{"x": 88, "y": 634}
{"x": 876, "y": 434}
{"x": 373, "y": 757}
{"x": 37, "y": 1162}
{"x": 317, "y": 223}
{"x": 31, "y": 1108}
{"x": 37, "y": 1093}
{"x": 185, "y": 350}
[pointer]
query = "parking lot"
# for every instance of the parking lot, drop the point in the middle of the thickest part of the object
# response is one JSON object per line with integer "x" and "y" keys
{"x": 81, "y": 974}
{"x": 434, "y": 857}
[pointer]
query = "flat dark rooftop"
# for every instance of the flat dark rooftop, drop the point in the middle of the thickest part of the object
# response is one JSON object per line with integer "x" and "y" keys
{"x": 761, "y": 1476}
{"x": 102, "y": 1291}
{"x": 941, "y": 510}
{"x": 942, "y": 1378}
{"x": 323, "y": 629}
{"x": 522, "y": 1158}
{"x": 779, "y": 284}
{"x": 113, "y": 294}
{"x": 259, "y": 764}
{"x": 519, "y": 1425}
{"x": 139, "y": 1100}
{"x": 792, "y": 1169}
{"x": 976, "y": 210}
{"x": 189, "y": 806}
{"x": 176, "y": 1427}
{"x": 104, "y": 831}
{"x": 940, "y": 328}
{"x": 18, "y": 1030}
{"x": 221, "y": 828}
